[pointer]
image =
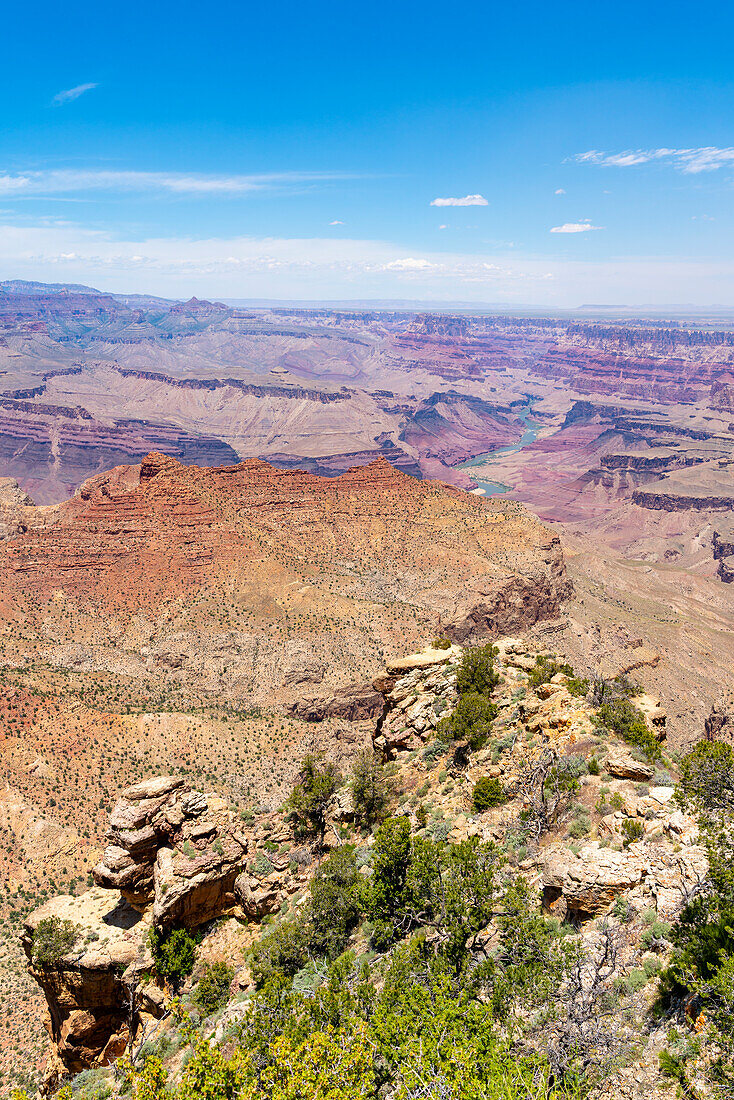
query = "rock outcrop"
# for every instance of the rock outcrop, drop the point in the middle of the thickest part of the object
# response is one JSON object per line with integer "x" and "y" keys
{"x": 418, "y": 690}
{"x": 353, "y": 703}
{"x": 719, "y": 725}
{"x": 648, "y": 873}
{"x": 89, "y": 988}
{"x": 177, "y": 857}
{"x": 175, "y": 848}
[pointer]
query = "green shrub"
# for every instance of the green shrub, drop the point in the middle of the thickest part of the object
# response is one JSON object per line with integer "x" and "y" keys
{"x": 282, "y": 952}
{"x": 335, "y": 904}
{"x": 633, "y": 830}
{"x": 370, "y": 790}
{"x": 213, "y": 988}
{"x": 317, "y": 781}
{"x": 476, "y": 672}
{"x": 53, "y": 939}
{"x": 624, "y": 719}
{"x": 440, "y": 831}
{"x": 578, "y": 686}
{"x": 593, "y": 766}
{"x": 657, "y": 930}
{"x": 174, "y": 952}
{"x": 261, "y": 867}
{"x": 672, "y": 1067}
{"x": 388, "y": 892}
{"x": 707, "y": 776}
{"x": 581, "y": 824}
{"x": 636, "y": 980}
{"x": 487, "y": 793}
{"x": 441, "y": 643}
{"x": 548, "y": 667}
{"x": 652, "y": 967}
{"x": 622, "y": 910}
{"x": 471, "y": 721}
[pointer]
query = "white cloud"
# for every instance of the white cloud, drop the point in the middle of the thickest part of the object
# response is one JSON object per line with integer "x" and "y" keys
{"x": 707, "y": 158}
{"x": 468, "y": 200}
{"x": 72, "y": 93}
{"x": 443, "y": 227}
{"x": 575, "y": 227}
{"x": 336, "y": 222}
{"x": 69, "y": 180}
{"x": 559, "y": 191}
{"x": 411, "y": 265}
{"x": 335, "y": 267}
{"x": 244, "y": 266}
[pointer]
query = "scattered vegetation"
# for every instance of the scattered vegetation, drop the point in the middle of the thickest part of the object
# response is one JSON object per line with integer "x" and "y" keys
{"x": 624, "y": 719}
{"x": 547, "y": 667}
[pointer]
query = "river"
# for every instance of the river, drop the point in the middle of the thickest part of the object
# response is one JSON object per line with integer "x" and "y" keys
{"x": 495, "y": 488}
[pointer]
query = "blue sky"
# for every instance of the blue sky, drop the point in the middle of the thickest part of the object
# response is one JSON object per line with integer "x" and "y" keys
{"x": 298, "y": 150}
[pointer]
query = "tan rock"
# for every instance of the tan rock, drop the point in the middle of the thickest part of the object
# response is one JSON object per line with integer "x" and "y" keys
{"x": 257, "y": 897}
{"x": 587, "y": 883}
{"x": 624, "y": 766}
{"x": 719, "y": 725}
{"x": 85, "y": 990}
{"x": 427, "y": 659}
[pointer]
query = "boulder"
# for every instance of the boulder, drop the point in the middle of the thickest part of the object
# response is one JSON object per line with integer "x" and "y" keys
{"x": 427, "y": 659}
{"x": 257, "y": 897}
{"x": 341, "y": 806}
{"x": 624, "y": 766}
{"x": 176, "y": 857}
{"x": 165, "y": 851}
{"x": 196, "y": 884}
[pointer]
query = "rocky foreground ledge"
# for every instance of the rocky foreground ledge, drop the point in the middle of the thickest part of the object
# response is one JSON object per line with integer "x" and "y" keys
{"x": 178, "y": 857}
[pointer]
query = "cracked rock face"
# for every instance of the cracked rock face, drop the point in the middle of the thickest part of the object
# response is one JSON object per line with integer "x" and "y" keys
{"x": 177, "y": 848}
{"x": 176, "y": 857}
{"x": 648, "y": 873}
{"x": 87, "y": 990}
{"x": 417, "y": 690}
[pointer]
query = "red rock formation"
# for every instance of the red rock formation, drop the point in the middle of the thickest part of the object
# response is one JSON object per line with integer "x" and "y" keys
{"x": 140, "y": 538}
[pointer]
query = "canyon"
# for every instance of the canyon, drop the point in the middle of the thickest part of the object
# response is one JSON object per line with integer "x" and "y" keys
{"x": 631, "y": 462}
{"x": 218, "y": 525}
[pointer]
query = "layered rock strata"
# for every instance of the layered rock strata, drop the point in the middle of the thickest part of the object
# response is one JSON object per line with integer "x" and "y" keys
{"x": 349, "y": 564}
{"x": 176, "y": 858}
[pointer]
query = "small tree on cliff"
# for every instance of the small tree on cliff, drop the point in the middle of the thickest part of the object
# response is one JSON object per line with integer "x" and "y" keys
{"x": 317, "y": 781}
{"x": 370, "y": 789}
{"x": 476, "y": 671}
